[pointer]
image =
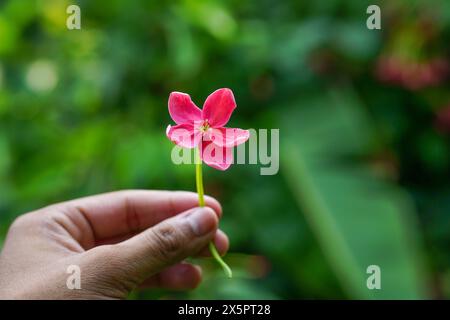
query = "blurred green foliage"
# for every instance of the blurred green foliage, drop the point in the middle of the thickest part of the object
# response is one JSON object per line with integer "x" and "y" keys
{"x": 364, "y": 168}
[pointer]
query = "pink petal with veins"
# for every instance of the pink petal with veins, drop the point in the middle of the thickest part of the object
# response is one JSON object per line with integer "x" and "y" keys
{"x": 217, "y": 157}
{"x": 184, "y": 135}
{"x": 218, "y": 107}
{"x": 228, "y": 137}
{"x": 182, "y": 109}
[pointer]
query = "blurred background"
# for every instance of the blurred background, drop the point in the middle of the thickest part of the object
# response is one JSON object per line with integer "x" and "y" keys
{"x": 364, "y": 119}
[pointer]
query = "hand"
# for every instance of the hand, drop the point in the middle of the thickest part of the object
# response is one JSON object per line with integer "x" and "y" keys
{"x": 118, "y": 240}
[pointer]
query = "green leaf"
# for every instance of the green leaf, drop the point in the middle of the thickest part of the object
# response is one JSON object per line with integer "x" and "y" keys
{"x": 359, "y": 219}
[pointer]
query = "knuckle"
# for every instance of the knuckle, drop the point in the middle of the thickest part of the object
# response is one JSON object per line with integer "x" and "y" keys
{"x": 21, "y": 222}
{"x": 168, "y": 242}
{"x": 35, "y": 220}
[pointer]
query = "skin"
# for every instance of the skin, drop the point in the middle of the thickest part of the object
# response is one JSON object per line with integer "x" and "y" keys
{"x": 119, "y": 240}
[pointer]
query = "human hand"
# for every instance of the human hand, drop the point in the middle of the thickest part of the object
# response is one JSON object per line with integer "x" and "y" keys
{"x": 119, "y": 241}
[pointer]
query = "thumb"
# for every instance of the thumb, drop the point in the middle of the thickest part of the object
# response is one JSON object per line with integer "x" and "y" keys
{"x": 162, "y": 245}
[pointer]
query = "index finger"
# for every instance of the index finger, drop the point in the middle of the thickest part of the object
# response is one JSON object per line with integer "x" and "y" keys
{"x": 127, "y": 212}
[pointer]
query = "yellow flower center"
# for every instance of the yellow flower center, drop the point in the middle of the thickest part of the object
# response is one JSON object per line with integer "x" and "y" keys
{"x": 205, "y": 126}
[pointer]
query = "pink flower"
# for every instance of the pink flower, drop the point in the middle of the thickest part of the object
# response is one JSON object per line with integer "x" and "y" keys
{"x": 413, "y": 75}
{"x": 205, "y": 128}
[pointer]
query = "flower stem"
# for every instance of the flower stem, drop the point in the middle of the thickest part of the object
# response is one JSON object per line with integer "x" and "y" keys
{"x": 201, "y": 203}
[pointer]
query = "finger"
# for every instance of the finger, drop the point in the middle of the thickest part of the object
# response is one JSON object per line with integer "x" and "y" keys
{"x": 125, "y": 213}
{"x": 158, "y": 247}
{"x": 114, "y": 240}
{"x": 182, "y": 276}
{"x": 220, "y": 241}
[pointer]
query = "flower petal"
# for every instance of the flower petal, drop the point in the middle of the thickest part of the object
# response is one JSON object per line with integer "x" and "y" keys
{"x": 184, "y": 135}
{"x": 217, "y": 157}
{"x": 218, "y": 107}
{"x": 227, "y": 137}
{"x": 182, "y": 109}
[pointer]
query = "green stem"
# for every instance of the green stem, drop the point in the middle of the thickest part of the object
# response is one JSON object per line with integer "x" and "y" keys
{"x": 201, "y": 203}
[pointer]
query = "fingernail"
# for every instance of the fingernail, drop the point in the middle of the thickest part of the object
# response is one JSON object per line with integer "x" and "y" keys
{"x": 202, "y": 221}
